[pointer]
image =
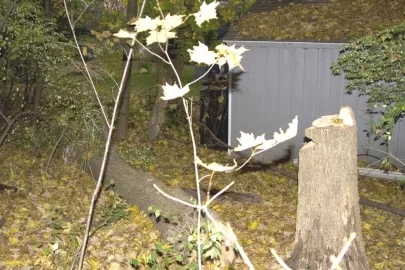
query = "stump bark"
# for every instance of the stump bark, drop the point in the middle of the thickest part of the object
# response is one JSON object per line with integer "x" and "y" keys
{"x": 328, "y": 200}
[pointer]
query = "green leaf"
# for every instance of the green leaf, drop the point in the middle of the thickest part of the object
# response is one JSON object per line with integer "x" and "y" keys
{"x": 159, "y": 248}
{"x": 179, "y": 258}
{"x": 134, "y": 262}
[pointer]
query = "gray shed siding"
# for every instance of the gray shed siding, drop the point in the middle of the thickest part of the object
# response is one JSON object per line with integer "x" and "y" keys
{"x": 284, "y": 79}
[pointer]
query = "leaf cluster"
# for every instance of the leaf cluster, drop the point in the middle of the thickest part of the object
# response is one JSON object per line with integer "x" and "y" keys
{"x": 375, "y": 66}
{"x": 189, "y": 32}
{"x": 162, "y": 257}
{"x": 29, "y": 48}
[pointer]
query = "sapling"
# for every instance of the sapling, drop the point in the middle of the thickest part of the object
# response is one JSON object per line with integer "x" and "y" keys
{"x": 160, "y": 30}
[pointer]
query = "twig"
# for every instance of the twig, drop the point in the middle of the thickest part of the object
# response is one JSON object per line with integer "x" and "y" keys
{"x": 82, "y": 12}
{"x": 11, "y": 123}
{"x": 54, "y": 149}
{"x": 78, "y": 250}
{"x": 219, "y": 193}
{"x": 346, "y": 246}
{"x": 384, "y": 152}
{"x": 174, "y": 198}
{"x": 110, "y": 132}
{"x": 83, "y": 61}
{"x": 233, "y": 238}
{"x": 9, "y": 11}
{"x": 6, "y": 119}
{"x": 154, "y": 54}
{"x": 279, "y": 260}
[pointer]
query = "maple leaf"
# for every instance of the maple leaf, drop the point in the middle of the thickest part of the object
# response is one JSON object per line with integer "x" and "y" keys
{"x": 247, "y": 140}
{"x": 206, "y": 13}
{"x": 159, "y": 36}
{"x": 173, "y": 91}
{"x": 125, "y": 34}
{"x": 290, "y": 133}
{"x": 230, "y": 55}
{"x": 201, "y": 54}
{"x": 216, "y": 167}
{"x": 145, "y": 24}
{"x": 170, "y": 22}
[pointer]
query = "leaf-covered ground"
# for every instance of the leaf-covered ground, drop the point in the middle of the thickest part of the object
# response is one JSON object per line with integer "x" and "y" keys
{"x": 43, "y": 222}
{"x": 272, "y": 222}
{"x": 337, "y": 20}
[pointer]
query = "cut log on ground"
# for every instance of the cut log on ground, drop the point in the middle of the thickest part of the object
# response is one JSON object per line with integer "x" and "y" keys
{"x": 137, "y": 188}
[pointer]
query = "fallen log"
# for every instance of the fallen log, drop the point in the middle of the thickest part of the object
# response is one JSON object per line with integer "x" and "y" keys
{"x": 137, "y": 188}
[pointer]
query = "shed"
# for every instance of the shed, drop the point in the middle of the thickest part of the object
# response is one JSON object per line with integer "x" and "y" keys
{"x": 288, "y": 73}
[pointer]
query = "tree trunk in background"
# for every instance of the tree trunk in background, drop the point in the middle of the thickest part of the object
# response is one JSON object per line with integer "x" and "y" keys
{"x": 123, "y": 118}
{"x": 39, "y": 87}
{"x": 48, "y": 8}
{"x": 114, "y": 5}
{"x": 158, "y": 113}
{"x": 328, "y": 200}
{"x": 40, "y": 80}
{"x": 178, "y": 62}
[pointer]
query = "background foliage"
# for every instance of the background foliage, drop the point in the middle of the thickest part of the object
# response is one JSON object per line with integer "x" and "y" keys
{"x": 375, "y": 66}
{"x": 30, "y": 48}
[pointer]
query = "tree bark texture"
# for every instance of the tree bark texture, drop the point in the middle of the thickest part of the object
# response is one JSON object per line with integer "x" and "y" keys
{"x": 48, "y": 9}
{"x": 178, "y": 62}
{"x": 123, "y": 118}
{"x": 158, "y": 113}
{"x": 328, "y": 200}
{"x": 114, "y": 5}
{"x": 137, "y": 188}
{"x": 39, "y": 87}
{"x": 40, "y": 80}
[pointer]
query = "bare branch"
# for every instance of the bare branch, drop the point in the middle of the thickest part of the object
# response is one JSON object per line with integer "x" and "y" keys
{"x": 279, "y": 260}
{"x": 6, "y": 119}
{"x": 54, "y": 149}
{"x": 82, "y": 12}
{"x": 11, "y": 123}
{"x": 84, "y": 62}
{"x": 8, "y": 13}
{"x": 384, "y": 152}
{"x": 174, "y": 198}
{"x": 110, "y": 132}
{"x": 346, "y": 246}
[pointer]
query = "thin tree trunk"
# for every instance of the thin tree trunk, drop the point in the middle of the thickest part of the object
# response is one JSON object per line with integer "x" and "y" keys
{"x": 178, "y": 62}
{"x": 40, "y": 80}
{"x": 48, "y": 9}
{"x": 8, "y": 13}
{"x": 328, "y": 200}
{"x": 123, "y": 118}
{"x": 39, "y": 86}
{"x": 158, "y": 113}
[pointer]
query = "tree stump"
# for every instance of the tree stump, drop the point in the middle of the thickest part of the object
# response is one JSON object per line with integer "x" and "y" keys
{"x": 328, "y": 200}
